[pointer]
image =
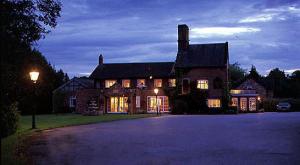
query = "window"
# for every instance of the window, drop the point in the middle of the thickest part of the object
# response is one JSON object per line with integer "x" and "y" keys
{"x": 117, "y": 104}
{"x": 141, "y": 83}
{"x": 157, "y": 82}
{"x": 138, "y": 101}
{"x": 213, "y": 103}
{"x": 243, "y": 104}
{"x": 252, "y": 104}
{"x": 126, "y": 83}
{"x": 160, "y": 103}
{"x": 202, "y": 84}
{"x": 172, "y": 82}
{"x": 234, "y": 101}
{"x": 72, "y": 101}
{"x": 109, "y": 83}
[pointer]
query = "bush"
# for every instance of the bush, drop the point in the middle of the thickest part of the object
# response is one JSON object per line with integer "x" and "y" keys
{"x": 180, "y": 107}
{"x": 295, "y": 104}
{"x": 270, "y": 105}
{"x": 9, "y": 118}
{"x": 231, "y": 110}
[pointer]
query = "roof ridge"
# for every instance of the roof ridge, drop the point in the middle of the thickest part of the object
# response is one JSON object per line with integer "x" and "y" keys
{"x": 216, "y": 43}
{"x": 139, "y": 63}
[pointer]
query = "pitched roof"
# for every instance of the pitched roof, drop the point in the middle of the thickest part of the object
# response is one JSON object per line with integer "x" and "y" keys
{"x": 132, "y": 70}
{"x": 83, "y": 81}
{"x": 203, "y": 55}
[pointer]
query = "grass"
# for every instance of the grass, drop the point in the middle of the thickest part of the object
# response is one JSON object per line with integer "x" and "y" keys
{"x": 14, "y": 143}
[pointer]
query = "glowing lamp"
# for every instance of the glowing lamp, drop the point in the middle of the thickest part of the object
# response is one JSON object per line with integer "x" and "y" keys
{"x": 258, "y": 98}
{"x": 156, "y": 91}
{"x": 34, "y": 75}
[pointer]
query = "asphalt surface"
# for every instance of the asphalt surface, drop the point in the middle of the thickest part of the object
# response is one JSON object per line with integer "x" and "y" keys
{"x": 262, "y": 138}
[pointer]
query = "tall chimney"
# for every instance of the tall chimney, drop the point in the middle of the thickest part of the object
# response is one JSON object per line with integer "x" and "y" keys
{"x": 183, "y": 37}
{"x": 100, "y": 59}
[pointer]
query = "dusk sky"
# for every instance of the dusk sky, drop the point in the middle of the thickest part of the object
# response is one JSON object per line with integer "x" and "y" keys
{"x": 265, "y": 33}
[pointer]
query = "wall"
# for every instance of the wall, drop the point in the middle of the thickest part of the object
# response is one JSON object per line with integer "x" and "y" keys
{"x": 209, "y": 74}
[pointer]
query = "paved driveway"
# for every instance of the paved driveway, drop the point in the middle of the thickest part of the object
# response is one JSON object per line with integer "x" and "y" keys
{"x": 264, "y": 138}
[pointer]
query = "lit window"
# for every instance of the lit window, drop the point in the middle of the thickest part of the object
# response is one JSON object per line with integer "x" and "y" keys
{"x": 109, "y": 83}
{"x": 141, "y": 82}
{"x": 158, "y": 83}
{"x": 213, "y": 103}
{"x": 202, "y": 84}
{"x": 126, "y": 83}
{"x": 172, "y": 82}
{"x": 234, "y": 101}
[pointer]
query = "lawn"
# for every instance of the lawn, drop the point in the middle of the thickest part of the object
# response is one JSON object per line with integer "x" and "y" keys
{"x": 12, "y": 144}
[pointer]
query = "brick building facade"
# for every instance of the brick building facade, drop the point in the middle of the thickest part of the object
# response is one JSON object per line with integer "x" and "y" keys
{"x": 129, "y": 87}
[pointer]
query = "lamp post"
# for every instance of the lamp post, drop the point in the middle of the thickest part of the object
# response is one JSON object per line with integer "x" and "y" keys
{"x": 156, "y": 92}
{"x": 34, "y": 75}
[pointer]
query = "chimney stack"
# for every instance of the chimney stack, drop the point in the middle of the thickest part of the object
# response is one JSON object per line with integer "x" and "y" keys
{"x": 183, "y": 37}
{"x": 100, "y": 59}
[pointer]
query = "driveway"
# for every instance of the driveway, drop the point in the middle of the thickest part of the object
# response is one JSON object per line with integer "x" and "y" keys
{"x": 262, "y": 138}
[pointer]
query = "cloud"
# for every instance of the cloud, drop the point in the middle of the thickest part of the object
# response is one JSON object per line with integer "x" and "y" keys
{"x": 207, "y": 32}
{"x": 258, "y": 18}
{"x": 290, "y": 71}
{"x": 270, "y": 14}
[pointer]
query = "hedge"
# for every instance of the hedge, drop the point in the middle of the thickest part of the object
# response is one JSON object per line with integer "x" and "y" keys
{"x": 9, "y": 118}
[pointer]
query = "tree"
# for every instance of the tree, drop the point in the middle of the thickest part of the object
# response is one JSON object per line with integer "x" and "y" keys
{"x": 295, "y": 84}
{"x": 253, "y": 74}
{"x": 237, "y": 74}
{"x": 22, "y": 23}
{"x": 277, "y": 81}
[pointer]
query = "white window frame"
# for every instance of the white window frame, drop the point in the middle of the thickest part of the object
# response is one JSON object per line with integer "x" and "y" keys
{"x": 170, "y": 82}
{"x": 202, "y": 84}
{"x": 155, "y": 84}
{"x": 108, "y": 83}
{"x": 138, "y": 101}
{"x": 138, "y": 83}
{"x": 71, "y": 99}
{"x": 213, "y": 105}
{"x": 123, "y": 83}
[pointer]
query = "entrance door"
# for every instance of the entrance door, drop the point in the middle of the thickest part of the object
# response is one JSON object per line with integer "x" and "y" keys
{"x": 162, "y": 102}
{"x": 252, "y": 104}
{"x": 243, "y": 104}
{"x": 118, "y": 104}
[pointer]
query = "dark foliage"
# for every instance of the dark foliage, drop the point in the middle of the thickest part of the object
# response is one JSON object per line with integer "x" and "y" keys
{"x": 23, "y": 22}
{"x": 236, "y": 74}
{"x": 191, "y": 103}
{"x": 9, "y": 119}
{"x": 253, "y": 74}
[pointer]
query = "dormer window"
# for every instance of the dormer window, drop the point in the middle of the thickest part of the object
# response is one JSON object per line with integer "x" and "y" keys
{"x": 157, "y": 83}
{"x": 109, "y": 83}
{"x": 141, "y": 83}
{"x": 202, "y": 84}
{"x": 126, "y": 83}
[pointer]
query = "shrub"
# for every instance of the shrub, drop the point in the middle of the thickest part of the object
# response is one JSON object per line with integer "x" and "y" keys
{"x": 231, "y": 110}
{"x": 180, "y": 107}
{"x": 270, "y": 105}
{"x": 295, "y": 104}
{"x": 9, "y": 118}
